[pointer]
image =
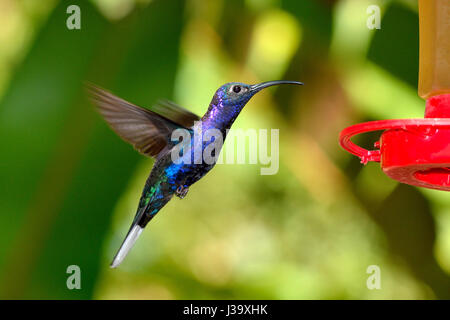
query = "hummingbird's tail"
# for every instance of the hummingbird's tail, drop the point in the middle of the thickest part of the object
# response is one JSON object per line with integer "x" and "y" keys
{"x": 127, "y": 244}
{"x": 146, "y": 212}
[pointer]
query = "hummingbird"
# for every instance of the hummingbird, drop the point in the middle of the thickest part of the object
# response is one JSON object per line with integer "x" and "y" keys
{"x": 150, "y": 132}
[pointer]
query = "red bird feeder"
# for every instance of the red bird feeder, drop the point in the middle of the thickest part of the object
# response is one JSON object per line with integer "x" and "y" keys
{"x": 417, "y": 151}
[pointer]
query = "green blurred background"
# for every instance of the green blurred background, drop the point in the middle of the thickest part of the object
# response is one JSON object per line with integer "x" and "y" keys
{"x": 69, "y": 186}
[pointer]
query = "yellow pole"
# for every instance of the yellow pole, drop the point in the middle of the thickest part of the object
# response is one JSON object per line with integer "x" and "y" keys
{"x": 434, "y": 66}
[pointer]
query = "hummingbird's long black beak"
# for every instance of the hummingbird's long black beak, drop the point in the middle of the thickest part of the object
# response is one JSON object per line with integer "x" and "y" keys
{"x": 257, "y": 87}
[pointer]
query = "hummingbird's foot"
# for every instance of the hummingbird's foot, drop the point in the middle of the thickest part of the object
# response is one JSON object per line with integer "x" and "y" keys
{"x": 181, "y": 191}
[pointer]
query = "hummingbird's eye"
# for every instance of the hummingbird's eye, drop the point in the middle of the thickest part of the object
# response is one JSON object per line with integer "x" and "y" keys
{"x": 236, "y": 89}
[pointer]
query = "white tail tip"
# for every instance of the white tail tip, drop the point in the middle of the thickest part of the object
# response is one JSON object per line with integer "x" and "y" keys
{"x": 127, "y": 244}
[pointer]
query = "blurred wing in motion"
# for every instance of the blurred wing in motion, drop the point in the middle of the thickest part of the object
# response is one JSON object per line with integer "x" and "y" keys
{"x": 148, "y": 131}
{"x": 176, "y": 113}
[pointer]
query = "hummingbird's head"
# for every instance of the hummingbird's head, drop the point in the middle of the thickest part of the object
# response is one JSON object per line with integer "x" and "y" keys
{"x": 232, "y": 97}
{"x": 238, "y": 94}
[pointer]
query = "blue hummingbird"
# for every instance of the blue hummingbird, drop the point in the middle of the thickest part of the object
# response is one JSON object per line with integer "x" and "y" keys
{"x": 150, "y": 132}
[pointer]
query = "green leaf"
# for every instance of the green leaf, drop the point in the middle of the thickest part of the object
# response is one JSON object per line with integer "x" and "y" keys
{"x": 65, "y": 168}
{"x": 395, "y": 46}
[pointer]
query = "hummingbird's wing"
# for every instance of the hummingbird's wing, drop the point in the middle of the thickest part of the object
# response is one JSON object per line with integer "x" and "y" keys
{"x": 176, "y": 113}
{"x": 148, "y": 131}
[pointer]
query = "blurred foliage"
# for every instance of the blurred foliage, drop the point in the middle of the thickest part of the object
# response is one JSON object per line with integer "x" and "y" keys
{"x": 70, "y": 186}
{"x": 400, "y": 38}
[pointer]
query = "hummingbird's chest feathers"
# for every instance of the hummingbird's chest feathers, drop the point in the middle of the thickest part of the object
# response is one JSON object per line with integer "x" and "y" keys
{"x": 186, "y": 174}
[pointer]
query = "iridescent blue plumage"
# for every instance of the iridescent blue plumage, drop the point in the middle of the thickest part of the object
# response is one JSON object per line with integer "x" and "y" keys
{"x": 150, "y": 133}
